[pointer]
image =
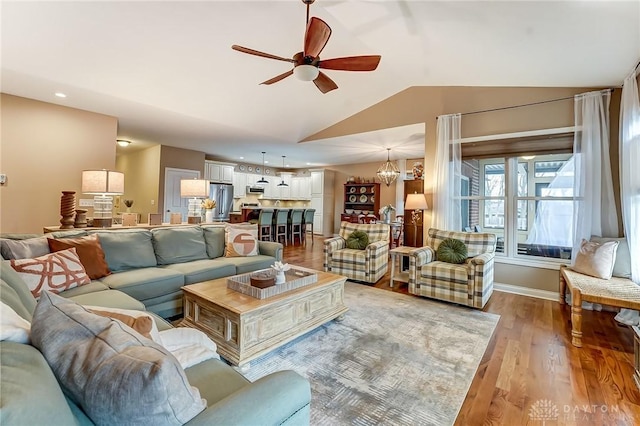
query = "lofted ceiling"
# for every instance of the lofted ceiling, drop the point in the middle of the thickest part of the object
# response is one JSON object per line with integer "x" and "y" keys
{"x": 167, "y": 71}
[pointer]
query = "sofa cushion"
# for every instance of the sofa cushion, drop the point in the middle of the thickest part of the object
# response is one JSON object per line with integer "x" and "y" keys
{"x": 89, "y": 288}
{"x": 214, "y": 238}
{"x": 24, "y": 249}
{"x": 108, "y": 299}
{"x": 30, "y": 392}
{"x": 89, "y": 251}
{"x": 125, "y": 250}
{"x": 54, "y": 272}
{"x": 203, "y": 270}
{"x": 622, "y": 265}
{"x": 241, "y": 240}
{"x": 9, "y": 297}
{"x": 358, "y": 240}
{"x": 145, "y": 283}
{"x": 215, "y": 380}
{"x": 251, "y": 263}
{"x": 114, "y": 374}
{"x": 596, "y": 259}
{"x": 445, "y": 272}
{"x": 178, "y": 245}
{"x": 452, "y": 251}
{"x": 13, "y": 280}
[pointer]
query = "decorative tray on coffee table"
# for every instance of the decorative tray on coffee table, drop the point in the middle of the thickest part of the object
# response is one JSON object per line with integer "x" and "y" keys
{"x": 295, "y": 278}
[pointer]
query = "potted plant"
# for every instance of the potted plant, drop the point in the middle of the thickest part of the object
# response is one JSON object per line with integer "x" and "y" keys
{"x": 129, "y": 204}
{"x": 208, "y": 205}
{"x": 385, "y": 212}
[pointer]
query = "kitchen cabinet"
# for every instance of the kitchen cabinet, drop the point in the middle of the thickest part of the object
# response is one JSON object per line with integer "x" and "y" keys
{"x": 283, "y": 192}
{"x": 218, "y": 172}
{"x": 362, "y": 198}
{"x": 239, "y": 184}
{"x": 322, "y": 199}
{"x": 300, "y": 188}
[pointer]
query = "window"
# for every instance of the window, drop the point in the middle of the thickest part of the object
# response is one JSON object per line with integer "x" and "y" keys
{"x": 526, "y": 202}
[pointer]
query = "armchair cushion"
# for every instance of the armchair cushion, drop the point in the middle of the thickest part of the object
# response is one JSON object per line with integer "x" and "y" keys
{"x": 358, "y": 240}
{"x": 452, "y": 251}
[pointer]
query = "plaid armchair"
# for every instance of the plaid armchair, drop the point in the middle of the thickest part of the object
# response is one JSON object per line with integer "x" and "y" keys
{"x": 367, "y": 265}
{"x": 470, "y": 283}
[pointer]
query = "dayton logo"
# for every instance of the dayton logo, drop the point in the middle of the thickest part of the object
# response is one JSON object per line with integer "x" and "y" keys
{"x": 543, "y": 410}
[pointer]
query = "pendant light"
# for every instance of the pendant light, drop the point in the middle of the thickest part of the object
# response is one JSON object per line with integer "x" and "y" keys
{"x": 262, "y": 180}
{"x": 388, "y": 172}
{"x": 283, "y": 182}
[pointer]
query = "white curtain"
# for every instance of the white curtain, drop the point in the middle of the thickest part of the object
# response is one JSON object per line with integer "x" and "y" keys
{"x": 594, "y": 209}
{"x": 448, "y": 173}
{"x": 630, "y": 181}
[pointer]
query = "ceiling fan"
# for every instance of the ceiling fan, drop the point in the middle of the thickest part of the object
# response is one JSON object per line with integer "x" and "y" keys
{"x": 307, "y": 64}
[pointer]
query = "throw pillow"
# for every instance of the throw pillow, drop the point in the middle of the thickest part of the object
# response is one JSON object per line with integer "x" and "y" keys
{"x": 142, "y": 324}
{"x": 596, "y": 259}
{"x": 54, "y": 272}
{"x": 241, "y": 240}
{"x": 451, "y": 250}
{"x": 24, "y": 249}
{"x": 89, "y": 251}
{"x": 109, "y": 370}
{"x": 622, "y": 265}
{"x": 13, "y": 327}
{"x": 358, "y": 240}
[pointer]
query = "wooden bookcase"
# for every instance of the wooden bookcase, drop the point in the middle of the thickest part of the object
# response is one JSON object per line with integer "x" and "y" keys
{"x": 361, "y": 198}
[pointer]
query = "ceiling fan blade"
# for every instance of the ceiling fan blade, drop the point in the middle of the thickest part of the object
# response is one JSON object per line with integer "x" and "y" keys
{"x": 316, "y": 37}
{"x": 278, "y": 77}
{"x": 258, "y": 53}
{"x": 351, "y": 63}
{"x": 324, "y": 83}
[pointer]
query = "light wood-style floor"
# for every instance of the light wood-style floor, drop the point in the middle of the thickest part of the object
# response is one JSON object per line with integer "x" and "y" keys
{"x": 530, "y": 373}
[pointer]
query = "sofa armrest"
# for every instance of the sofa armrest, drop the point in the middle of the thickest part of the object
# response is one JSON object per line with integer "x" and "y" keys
{"x": 481, "y": 259}
{"x": 417, "y": 258}
{"x": 270, "y": 400}
{"x": 331, "y": 245}
{"x": 270, "y": 248}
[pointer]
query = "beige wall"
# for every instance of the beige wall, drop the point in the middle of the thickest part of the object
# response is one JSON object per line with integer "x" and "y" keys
{"x": 43, "y": 150}
{"x": 142, "y": 173}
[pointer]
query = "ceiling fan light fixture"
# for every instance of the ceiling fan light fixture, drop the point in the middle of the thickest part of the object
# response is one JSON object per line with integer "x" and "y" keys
{"x": 306, "y": 72}
{"x": 388, "y": 171}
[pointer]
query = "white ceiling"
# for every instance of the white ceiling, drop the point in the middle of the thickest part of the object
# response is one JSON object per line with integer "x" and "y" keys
{"x": 167, "y": 71}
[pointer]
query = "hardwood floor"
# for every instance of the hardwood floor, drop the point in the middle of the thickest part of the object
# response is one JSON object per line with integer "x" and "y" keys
{"x": 530, "y": 373}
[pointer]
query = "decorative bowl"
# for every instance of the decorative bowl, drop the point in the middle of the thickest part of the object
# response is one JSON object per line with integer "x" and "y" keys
{"x": 357, "y": 211}
{"x": 348, "y": 211}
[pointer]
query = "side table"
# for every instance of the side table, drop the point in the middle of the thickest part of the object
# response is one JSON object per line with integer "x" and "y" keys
{"x": 636, "y": 351}
{"x": 397, "y": 254}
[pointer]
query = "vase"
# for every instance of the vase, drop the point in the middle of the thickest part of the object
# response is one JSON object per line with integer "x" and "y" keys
{"x": 208, "y": 215}
{"x": 387, "y": 217}
{"x": 128, "y": 209}
{"x": 280, "y": 279}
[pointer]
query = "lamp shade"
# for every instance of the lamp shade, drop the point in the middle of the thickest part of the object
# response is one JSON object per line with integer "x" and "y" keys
{"x": 107, "y": 182}
{"x": 194, "y": 188}
{"x": 306, "y": 72}
{"x": 416, "y": 202}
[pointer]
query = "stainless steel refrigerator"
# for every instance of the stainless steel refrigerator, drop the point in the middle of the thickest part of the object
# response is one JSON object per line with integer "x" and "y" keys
{"x": 222, "y": 194}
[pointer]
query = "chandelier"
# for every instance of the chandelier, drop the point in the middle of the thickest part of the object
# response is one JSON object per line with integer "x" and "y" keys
{"x": 388, "y": 171}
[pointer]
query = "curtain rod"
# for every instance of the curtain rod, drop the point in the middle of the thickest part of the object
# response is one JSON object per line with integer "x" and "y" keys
{"x": 524, "y": 105}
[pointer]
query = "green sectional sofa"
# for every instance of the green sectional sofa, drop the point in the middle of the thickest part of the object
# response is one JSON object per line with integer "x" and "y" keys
{"x": 152, "y": 265}
{"x": 32, "y": 395}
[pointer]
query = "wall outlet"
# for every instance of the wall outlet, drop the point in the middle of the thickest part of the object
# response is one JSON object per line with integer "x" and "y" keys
{"x": 86, "y": 202}
{"x": 3, "y": 178}
{"x": 153, "y": 202}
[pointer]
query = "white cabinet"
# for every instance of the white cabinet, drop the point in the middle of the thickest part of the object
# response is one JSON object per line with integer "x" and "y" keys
{"x": 218, "y": 172}
{"x": 322, "y": 182}
{"x": 300, "y": 188}
{"x": 239, "y": 184}
{"x": 283, "y": 192}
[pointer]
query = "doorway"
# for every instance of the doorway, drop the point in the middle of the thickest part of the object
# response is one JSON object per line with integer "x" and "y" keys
{"x": 173, "y": 203}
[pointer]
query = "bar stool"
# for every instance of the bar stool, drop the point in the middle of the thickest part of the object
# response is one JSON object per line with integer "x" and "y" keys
{"x": 281, "y": 225}
{"x": 264, "y": 225}
{"x": 295, "y": 225}
{"x": 307, "y": 221}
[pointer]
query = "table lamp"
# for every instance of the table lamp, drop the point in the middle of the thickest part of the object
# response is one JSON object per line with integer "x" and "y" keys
{"x": 417, "y": 203}
{"x": 194, "y": 189}
{"x": 103, "y": 184}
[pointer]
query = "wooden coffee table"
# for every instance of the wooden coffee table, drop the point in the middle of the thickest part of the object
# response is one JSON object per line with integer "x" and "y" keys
{"x": 245, "y": 328}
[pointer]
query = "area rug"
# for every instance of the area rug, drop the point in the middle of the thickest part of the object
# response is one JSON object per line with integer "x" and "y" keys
{"x": 394, "y": 360}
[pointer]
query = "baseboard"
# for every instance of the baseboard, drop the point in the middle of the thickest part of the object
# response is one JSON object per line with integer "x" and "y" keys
{"x": 526, "y": 291}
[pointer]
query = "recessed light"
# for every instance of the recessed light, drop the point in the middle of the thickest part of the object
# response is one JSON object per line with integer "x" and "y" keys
{"x": 287, "y": 165}
{"x": 242, "y": 158}
{"x": 61, "y": 95}
{"x": 308, "y": 164}
{"x": 266, "y": 162}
